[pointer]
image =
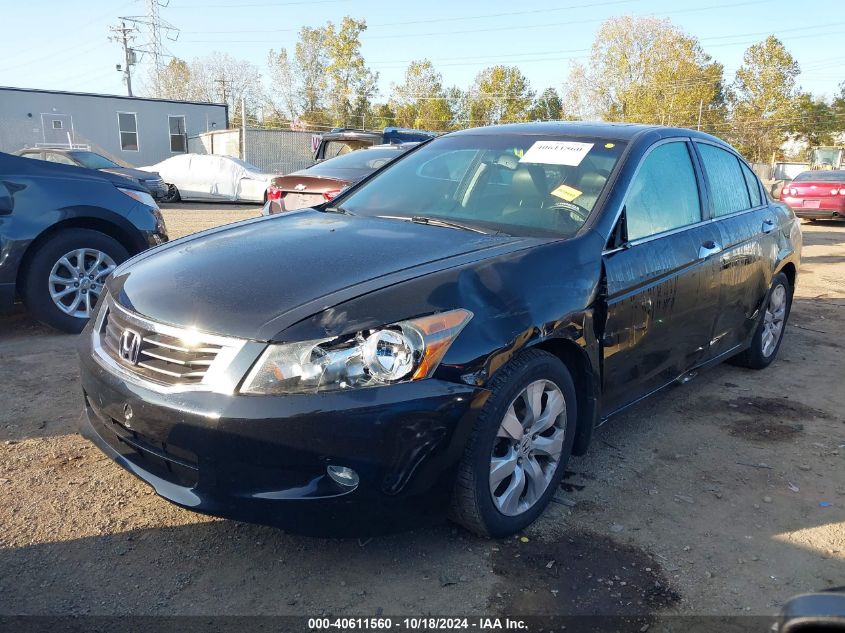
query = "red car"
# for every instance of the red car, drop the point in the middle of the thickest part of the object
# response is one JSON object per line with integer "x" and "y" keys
{"x": 817, "y": 195}
{"x": 322, "y": 182}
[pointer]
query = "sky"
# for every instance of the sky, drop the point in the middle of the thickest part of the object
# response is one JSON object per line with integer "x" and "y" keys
{"x": 542, "y": 37}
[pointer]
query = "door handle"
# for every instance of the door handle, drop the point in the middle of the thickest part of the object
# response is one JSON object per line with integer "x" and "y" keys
{"x": 768, "y": 225}
{"x": 708, "y": 248}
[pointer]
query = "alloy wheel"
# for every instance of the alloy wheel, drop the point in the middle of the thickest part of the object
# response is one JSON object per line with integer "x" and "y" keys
{"x": 773, "y": 320}
{"x": 76, "y": 280}
{"x": 528, "y": 447}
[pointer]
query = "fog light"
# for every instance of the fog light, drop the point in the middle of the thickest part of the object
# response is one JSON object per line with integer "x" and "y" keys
{"x": 343, "y": 475}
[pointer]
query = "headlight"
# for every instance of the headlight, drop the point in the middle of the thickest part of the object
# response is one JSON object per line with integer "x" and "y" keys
{"x": 405, "y": 351}
{"x": 141, "y": 196}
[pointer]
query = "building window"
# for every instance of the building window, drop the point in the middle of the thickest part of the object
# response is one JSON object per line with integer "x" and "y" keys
{"x": 127, "y": 123}
{"x": 178, "y": 136}
{"x": 57, "y": 124}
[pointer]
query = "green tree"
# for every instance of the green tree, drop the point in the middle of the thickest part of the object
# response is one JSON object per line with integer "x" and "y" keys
{"x": 814, "y": 120}
{"x": 381, "y": 116}
{"x": 499, "y": 94}
{"x": 311, "y": 59}
{"x": 647, "y": 70}
{"x": 763, "y": 99}
{"x": 352, "y": 85}
{"x": 174, "y": 81}
{"x": 421, "y": 101}
{"x": 547, "y": 107}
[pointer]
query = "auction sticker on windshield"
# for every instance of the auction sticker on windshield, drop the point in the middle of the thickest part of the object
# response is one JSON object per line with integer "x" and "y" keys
{"x": 557, "y": 153}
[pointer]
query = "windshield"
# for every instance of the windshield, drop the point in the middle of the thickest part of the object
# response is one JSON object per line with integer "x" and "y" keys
{"x": 366, "y": 159}
{"x": 94, "y": 161}
{"x": 821, "y": 176}
{"x": 514, "y": 184}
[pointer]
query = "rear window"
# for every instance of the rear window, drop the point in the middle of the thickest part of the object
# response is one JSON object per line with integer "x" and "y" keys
{"x": 369, "y": 159}
{"x": 509, "y": 183}
{"x": 821, "y": 176}
{"x": 339, "y": 148}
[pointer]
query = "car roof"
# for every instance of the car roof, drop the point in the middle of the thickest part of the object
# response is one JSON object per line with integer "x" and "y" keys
{"x": 594, "y": 129}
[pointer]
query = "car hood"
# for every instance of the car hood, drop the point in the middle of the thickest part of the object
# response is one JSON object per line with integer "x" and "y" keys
{"x": 128, "y": 172}
{"x": 254, "y": 279}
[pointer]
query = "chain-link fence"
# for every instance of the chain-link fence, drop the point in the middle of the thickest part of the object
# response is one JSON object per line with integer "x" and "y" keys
{"x": 276, "y": 151}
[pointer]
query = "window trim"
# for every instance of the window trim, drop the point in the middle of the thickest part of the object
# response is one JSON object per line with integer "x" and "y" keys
{"x": 763, "y": 198}
{"x": 120, "y": 131}
{"x": 184, "y": 134}
{"x": 703, "y": 197}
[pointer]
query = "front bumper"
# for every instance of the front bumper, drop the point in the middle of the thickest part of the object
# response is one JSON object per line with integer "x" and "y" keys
{"x": 158, "y": 189}
{"x": 263, "y": 459}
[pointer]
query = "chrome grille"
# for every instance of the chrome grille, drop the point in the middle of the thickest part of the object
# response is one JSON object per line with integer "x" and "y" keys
{"x": 164, "y": 356}
{"x": 160, "y": 357}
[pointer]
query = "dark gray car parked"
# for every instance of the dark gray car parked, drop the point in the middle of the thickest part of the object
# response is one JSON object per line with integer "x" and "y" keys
{"x": 63, "y": 230}
{"x": 91, "y": 160}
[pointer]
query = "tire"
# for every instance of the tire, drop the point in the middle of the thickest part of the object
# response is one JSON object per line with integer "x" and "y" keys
{"x": 762, "y": 352}
{"x": 43, "y": 272}
{"x": 490, "y": 512}
{"x": 172, "y": 194}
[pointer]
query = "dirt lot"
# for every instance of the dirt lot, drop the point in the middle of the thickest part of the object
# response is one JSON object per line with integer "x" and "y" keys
{"x": 722, "y": 496}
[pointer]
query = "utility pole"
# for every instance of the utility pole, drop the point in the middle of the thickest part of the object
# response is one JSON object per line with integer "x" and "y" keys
{"x": 223, "y": 83}
{"x": 700, "y": 108}
{"x": 123, "y": 35}
{"x": 154, "y": 26}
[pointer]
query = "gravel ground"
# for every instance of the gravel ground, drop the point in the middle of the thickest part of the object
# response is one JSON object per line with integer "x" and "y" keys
{"x": 722, "y": 496}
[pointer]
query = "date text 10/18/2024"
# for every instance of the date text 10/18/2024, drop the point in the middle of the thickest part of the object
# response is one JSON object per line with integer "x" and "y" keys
{"x": 416, "y": 623}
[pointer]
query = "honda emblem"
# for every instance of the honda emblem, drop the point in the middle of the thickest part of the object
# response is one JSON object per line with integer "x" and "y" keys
{"x": 130, "y": 346}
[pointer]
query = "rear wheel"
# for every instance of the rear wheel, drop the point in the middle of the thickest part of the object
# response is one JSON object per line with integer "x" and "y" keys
{"x": 769, "y": 333}
{"x": 63, "y": 281}
{"x": 172, "y": 194}
{"x": 518, "y": 452}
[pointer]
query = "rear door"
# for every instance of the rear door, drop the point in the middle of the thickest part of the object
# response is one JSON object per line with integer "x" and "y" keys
{"x": 662, "y": 288}
{"x": 747, "y": 234}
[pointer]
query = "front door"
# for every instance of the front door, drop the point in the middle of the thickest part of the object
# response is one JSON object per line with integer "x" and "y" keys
{"x": 662, "y": 284}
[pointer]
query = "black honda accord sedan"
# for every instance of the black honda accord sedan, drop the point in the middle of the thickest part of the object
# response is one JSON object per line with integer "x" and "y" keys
{"x": 439, "y": 339}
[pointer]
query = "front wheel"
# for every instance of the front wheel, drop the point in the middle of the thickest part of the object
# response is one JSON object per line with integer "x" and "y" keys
{"x": 769, "y": 333}
{"x": 172, "y": 194}
{"x": 519, "y": 448}
{"x": 64, "y": 279}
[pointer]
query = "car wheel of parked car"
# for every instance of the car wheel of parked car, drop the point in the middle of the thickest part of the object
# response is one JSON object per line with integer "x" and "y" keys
{"x": 769, "y": 333}
{"x": 172, "y": 194}
{"x": 517, "y": 453}
{"x": 64, "y": 279}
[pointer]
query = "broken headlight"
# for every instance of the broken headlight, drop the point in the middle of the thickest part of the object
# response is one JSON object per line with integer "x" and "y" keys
{"x": 402, "y": 352}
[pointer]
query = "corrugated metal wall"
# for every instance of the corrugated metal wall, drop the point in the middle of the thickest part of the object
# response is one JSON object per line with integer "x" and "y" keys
{"x": 274, "y": 151}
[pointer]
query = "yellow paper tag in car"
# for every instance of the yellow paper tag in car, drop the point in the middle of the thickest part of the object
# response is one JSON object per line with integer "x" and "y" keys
{"x": 567, "y": 193}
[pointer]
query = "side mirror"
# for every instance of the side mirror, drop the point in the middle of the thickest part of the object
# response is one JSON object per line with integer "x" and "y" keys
{"x": 813, "y": 613}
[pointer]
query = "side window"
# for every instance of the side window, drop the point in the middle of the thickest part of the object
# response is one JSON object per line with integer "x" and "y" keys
{"x": 664, "y": 193}
{"x": 753, "y": 185}
{"x": 53, "y": 157}
{"x": 127, "y": 124}
{"x": 727, "y": 184}
{"x": 178, "y": 137}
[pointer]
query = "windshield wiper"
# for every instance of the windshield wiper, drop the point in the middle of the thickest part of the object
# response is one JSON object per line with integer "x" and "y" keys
{"x": 422, "y": 219}
{"x": 337, "y": 209}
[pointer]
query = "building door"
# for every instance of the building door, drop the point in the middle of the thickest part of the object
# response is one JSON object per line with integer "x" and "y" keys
{"x": 57, "y": 129}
